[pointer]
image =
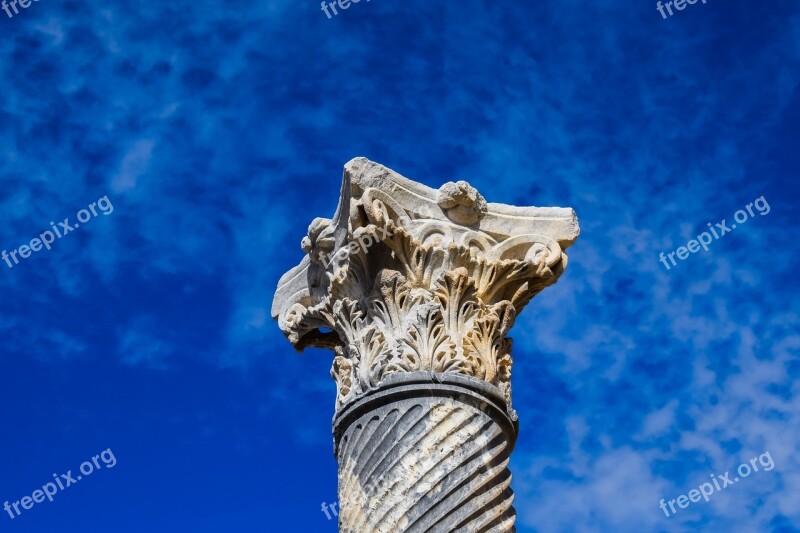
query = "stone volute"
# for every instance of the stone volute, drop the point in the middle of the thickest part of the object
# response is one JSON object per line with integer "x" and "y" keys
{"x": 415, "y": 291}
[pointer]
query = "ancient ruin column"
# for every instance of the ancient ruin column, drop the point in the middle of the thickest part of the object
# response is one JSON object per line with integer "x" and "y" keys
{"x": 415, "y": 289}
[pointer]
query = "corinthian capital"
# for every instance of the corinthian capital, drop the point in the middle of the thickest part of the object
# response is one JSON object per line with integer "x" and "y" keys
{"x": 405, "y": 278}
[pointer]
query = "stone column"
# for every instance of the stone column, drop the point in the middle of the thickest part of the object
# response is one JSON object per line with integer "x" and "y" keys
{"x": 415, "y": 291}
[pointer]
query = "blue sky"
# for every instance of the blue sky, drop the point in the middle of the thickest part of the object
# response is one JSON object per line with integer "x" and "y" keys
{"x": 218, "y": 131}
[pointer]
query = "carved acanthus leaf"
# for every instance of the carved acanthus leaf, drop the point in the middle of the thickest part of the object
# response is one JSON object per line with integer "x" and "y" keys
{"x": 404, "y": 278}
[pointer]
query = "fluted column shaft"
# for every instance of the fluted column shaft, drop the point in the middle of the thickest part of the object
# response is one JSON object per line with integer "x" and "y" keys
{"x": 425, "y": 453}
{"x": 415, "y": 291}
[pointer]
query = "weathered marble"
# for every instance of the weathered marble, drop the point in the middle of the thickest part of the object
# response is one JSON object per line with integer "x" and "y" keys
{"x": 425, "y": 452}
{"x": 418, "y": 287}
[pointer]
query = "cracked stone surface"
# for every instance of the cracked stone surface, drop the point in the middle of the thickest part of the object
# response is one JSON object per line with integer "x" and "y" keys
{"x": 407, "y": 281}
